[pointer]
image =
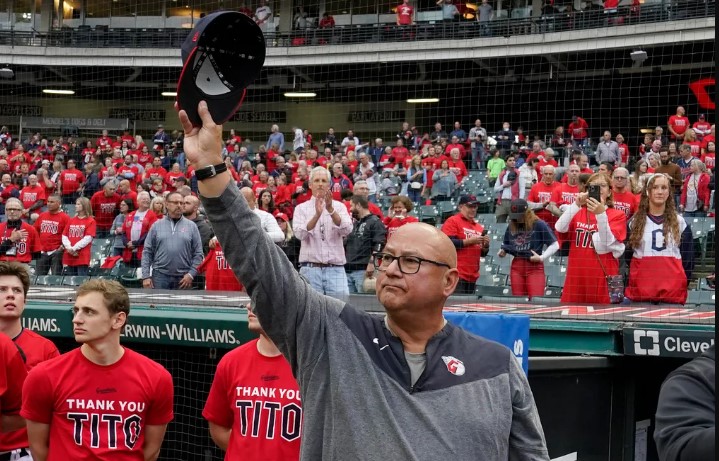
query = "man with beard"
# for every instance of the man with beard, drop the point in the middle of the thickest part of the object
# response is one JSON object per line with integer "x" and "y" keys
{"x": 673, "y": 171}
{"x": 367, "y": 237}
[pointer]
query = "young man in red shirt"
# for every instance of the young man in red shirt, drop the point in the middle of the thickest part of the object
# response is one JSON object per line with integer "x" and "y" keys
{"x": 12, "y": 376}
{"x": 101, "y": 400}
{"x": 405, "y": 14}
{"x": 105, "y": 205}
{"x": 70, "y": 181}
{"x": 466, "y": 235}
{"x": 50, "y": 226}
{"x": 578, "y": 132}
{"x": 566, "y": 193}
{"x": 678, "y": 124}
{"x": 251, "y": 417}
{"x": 14, "y": 285}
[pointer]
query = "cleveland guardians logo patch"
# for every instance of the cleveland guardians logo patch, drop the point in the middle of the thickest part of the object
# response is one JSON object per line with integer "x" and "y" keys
{"x": 454, "y": 366}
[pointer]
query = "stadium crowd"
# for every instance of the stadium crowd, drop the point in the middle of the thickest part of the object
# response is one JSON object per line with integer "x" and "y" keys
{"x": 69, "y": 206}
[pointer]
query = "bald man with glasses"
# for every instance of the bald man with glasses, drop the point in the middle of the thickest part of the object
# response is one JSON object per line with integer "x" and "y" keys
{"x": 353, "y": 367}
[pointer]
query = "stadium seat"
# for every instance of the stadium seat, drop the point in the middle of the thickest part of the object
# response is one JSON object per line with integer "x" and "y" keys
{"x": 509, "y": 299}
{"x": 553, "y": 293}
{"x": 446, "y": 210}
{"x": 49, "y": 280}
{"x": 555, "y": 274}
{"x": 492, "y": 280}
{"x": 497, "y": 230}
{"x": 700, "y": 297}
{"x": 69, "y": 209}
{"x": 484, "y": 291}
{"x": 75, "y": 280}
{"x": 429, "y": 214}
{"x": 702, "y": 228}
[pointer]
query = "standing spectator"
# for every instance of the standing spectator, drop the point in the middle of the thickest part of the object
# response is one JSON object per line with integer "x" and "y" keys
{"x": 32, "y": 197}
{"x": 685, "y": 160}
{"x": 320, "y": 224}
{"x": 137, "y": 226}
{"x": 362, "y": 188}
{"x": 624, "y": 199}
{"x": 701, "y": 127}
{"x": 105, "y": 205}
{"x": 398, "y": 215}
{"x": 290, "y": 244}
{"x": 674, "y": 173}
{"x": 405, "y": 14}
{"x": 50, "y": 226}
{"x": 247, "y": 367}
{"x": 608, "y": 150}
{"x": 77, "y": 239}
{"x": 597, "y": 232}
{"x": 327, "y": 21}
{"x": 268, "y": 222}
{"x": 350, "y": 138}
{"x": 438, "y": 135}
{"x": 339, "y": 181}
{"x": 458, "y": 133}
{"x": 298, "y": 143}
{"x": 528, "y": 171}
{"x": 477, "y": 138}
{"x": 709, "y": 155}
{"x": 449, "y": 11}
{"x": 531, "y": 241}
{"x": 468, "y": 240}
{"x": 505, "y": 139}
{"x": 69, "y": 182}
{"x": 276, "y": 137}
{"x": 659, "y": 135}
{"x": 623, "y": 150}
{"x": 456, "y": 165}
{"x": 157, "y": 205}
{"x": 173, "y": 249}
{"x": 416, "y": 179}
{"x": 686, "y": 411}
{"x": 678, "y": 124}
{"x": 124, "y": 190}
{"x": 638, "y": 178}
{"x": 19, "y": 240}
{"x": 263, "y": 17}
{"x": 495, "y": 165}
{"x": 118, "y": 227}
{"x": 695, "y": 191}
{"x": 661, "y": 267}
{"x": 539, "y": 198}
{"x": 57, "y": 389}
{"x": 578, "y": 132}
{"x": 129, "y": 172}
{"x": 444, "y": 183}
{"x": 191, "y": 211}
{"x": 509, "y": 186}
{"x": 14, "y": 285}
{"x": 367, "y": 237}
{"x": 485, "y": 13}
{"x": 376, "y": 151}
{"x": 690, "y": 139}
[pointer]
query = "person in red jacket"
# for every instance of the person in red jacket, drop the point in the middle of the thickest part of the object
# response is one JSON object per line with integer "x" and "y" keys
{"x": 50, "y": 226}
{"x": 105, "y": 206}
{"x": 218, "y": 274}
{"x": 137, "y": 225}
{"x": 624, "y": 199}
{"x": 695, "y": 191}
{"x": 18, "y": 239}
{"x": 466, "y": 235}
{"x": 77, "y": 239}
{"x": 70, "y": 181}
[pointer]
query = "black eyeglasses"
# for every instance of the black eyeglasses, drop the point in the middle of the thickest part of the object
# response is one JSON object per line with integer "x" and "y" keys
{"x": 407, "y": 264}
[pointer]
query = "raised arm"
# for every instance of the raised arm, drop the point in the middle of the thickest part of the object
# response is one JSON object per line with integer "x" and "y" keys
{"x": 290, "y": 311}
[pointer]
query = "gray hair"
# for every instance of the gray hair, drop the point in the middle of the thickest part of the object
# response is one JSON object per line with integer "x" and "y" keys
{"x": 319, "y": 169}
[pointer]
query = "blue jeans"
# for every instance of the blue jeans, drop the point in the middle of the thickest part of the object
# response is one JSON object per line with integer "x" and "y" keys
{"x": 77, "y": 270}
{"x": 331, "y": 281}
{"x": 355, "y": 280}
{"x": 166, "y": 282}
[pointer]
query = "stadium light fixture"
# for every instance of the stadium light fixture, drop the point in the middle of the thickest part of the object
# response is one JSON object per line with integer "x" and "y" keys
{"x": 169, "y": 94}
{"x": 54, "y": 91}
{"x": 300, "y": 94}
{"x": 422, "y": 100}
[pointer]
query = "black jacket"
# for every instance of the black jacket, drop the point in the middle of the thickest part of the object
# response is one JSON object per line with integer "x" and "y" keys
{"x": 368, "y": 235}
{"x": 685, "y": 419}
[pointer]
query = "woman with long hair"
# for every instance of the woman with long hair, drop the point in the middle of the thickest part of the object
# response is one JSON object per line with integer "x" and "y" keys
{"x": 77, "y": 239}
{"x": 291, "y": 244}
{"x": 637, "y": 179}
{"x": 690, "y": 139}
{"x": 416, "y": 179}
{"x": 597, "y": 232}
{"x": 116, "y": 231}
{"x": 695, "y": 191}
{"x": 531, "y": 241}
{"x": 663, "y": 245}
{"x": 709, "y": 155}
{"x": 266, "y": 202}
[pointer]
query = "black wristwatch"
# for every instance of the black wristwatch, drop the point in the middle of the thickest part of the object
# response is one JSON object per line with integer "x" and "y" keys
{"x": 210, "y": 171}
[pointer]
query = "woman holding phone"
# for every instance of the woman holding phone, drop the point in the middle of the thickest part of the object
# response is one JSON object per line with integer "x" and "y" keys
{"x": 597, "y": 232}
{"x": 525, "y": 238}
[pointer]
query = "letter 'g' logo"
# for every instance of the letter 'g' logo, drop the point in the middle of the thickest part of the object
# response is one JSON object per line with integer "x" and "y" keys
{"x": 653, "y": 343}
{"x": 454, "y": 365}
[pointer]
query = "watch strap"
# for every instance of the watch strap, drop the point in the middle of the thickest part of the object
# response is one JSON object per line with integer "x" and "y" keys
{"x": 210, "y": 171}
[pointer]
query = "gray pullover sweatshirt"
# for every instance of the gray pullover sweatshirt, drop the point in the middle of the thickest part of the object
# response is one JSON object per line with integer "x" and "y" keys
{"x": 472, "y": 402}
{"x": 172, "y": 249}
